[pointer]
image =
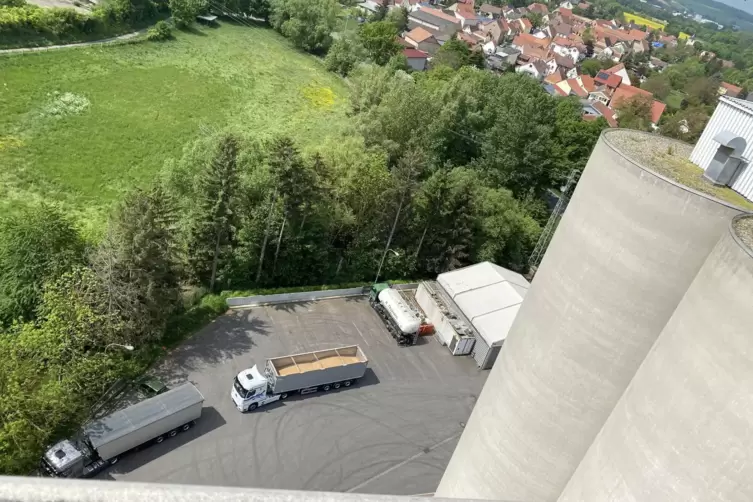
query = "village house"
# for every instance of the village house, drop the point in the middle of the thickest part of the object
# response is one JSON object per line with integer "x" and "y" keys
{"x": 423, "y": 40}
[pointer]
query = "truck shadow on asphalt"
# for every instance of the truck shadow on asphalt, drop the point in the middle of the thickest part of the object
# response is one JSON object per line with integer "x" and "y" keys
{"x": 209, "y": 421}
{"x": 368, "y": 378}
{"x": 229, "y": 335}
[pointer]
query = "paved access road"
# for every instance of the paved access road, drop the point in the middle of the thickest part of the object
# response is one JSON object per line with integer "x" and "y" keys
{"x": 393, "y": 433}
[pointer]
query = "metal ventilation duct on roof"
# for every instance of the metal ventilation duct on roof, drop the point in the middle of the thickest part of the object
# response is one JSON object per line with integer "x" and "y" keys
{"x": 727, "y": 160}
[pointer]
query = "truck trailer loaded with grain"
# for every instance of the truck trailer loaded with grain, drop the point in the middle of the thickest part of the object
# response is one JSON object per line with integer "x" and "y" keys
{"x": 104, "y": 441}
{"x": 302, "y": 373}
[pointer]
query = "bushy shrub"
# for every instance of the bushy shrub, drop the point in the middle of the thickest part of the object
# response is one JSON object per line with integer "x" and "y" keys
{"x": 12, "y": 3}
{"x": 58, "y": 23}
{"x": 159, "y": 32}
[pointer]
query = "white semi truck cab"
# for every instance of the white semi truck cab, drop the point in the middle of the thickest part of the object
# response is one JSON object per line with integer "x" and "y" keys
{"x": 321, "y": 370}
{"x": 251, "y": 390}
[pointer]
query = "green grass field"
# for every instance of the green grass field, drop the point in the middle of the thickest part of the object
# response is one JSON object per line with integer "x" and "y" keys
{"x": 81, "y": 126}
{"x": 674, "y": 100}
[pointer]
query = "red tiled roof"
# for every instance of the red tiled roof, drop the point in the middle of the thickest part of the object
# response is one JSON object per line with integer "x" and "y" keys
{"x": 466, "y": 9}
{"x": 528, "y": 39}
{"x": 732, "y": 90}
{"x": 637, "y": 34}
{"x": 415, "y": 53}
{"x": 628, "y": 92}
{"x": 491, "y": 9}
{"x": 536, "y": 52}
{"x": 612, "y": 80}
{"x": 606, "y": 112}
{"x": 559, "y": 91}
{"x": 615, "y": 68}
{"x": 538, "y": 7}
{"x": 418, "y": 35}
{"x": 576, "y": 88}
{"x": 526, "y": 24}
{"x": 657, "y": 108}
{"x": 588, "y": 82}
{"x": 554, "y": 78}
{"x": 468, "y": 39}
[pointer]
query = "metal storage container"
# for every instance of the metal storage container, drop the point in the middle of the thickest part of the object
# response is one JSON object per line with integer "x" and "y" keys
{"x": 310, "y": 369}
{"x": 144, "y": 421}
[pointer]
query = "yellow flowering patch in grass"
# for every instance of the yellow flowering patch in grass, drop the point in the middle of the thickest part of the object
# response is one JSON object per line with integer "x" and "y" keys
{"x": 320, "y": 97}
{"x": 8, "y": 142}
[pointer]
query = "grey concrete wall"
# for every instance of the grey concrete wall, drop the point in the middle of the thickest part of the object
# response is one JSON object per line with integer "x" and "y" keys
{"x": 305, "y": 296}
{"x": 683, "y": 430}
{"x": 627, "y": 248}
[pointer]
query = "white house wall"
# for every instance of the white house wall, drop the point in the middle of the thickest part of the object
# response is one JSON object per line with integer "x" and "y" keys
{"x": 738, "y": 119}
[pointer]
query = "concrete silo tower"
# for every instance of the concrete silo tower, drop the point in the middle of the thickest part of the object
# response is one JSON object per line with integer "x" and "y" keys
{"x": 683, "y": 430}
{"x": 630, "y": 243}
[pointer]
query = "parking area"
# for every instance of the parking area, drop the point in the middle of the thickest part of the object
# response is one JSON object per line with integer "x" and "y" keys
{"x": 393, "y": 433}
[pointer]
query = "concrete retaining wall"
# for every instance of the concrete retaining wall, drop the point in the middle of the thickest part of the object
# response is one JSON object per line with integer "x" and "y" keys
{"x": 305, "y": 296}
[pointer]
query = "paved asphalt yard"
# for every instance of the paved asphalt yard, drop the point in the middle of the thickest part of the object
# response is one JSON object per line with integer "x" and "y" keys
{"x": 393, "y": 433}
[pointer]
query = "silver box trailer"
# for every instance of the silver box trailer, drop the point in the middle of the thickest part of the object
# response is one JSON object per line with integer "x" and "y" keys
{"x": 137, "y": 424}
{"x": 311, "y": 369}
{"x": 104, "y": 440}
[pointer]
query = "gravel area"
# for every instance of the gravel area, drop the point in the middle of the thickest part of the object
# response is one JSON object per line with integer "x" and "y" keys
{"x": 670, "y": 158}
{"x": 744, "y": 229}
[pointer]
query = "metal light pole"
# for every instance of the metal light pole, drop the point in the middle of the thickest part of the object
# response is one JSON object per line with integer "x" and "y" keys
{"x": 129, "y": 348}
{"x": 381, "y": 262}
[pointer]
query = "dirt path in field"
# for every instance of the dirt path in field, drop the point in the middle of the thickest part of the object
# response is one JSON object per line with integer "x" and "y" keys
{"x": 119, "y": 38}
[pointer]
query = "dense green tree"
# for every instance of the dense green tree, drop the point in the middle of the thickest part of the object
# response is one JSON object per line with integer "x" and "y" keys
{"x": 137, "y": 261}
{"x": 185, "y": 11}
{"x": 447, "y": 203}
{"x": 686, "y": 125}
{"x": 212, "y": 221}
{"x": 536, "y": 19}
{"x": 456, "y": 53}
{"x": 575, "y": 138}
{"x": 592, "y": 66}
{"x": 379, "y": 39}
{"x": 344, "y": 54}
{"x": 37, "y": 244}
{"x": 659, "y": 85}
{"x": 259, "y": 9}
{"x": 307, "y": 23}
{"x": 399, "y": 17}
{"x": 702, "y": 91}
{"x": 635, "y": 113}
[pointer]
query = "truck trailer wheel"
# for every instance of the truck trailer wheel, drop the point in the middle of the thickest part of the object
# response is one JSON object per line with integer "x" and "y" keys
{"x": 173, "y": 433}
{"x": 337, "y": 385}
{"x": 186, "y": 427}
{"x": 326, "y": 388}
{"x": 159, "y": 439}
{"x": 252, "y": 407}
{"x": 284, "y": 395}
{"x": 114, "y": 460}
{"x": 347, "y": 383}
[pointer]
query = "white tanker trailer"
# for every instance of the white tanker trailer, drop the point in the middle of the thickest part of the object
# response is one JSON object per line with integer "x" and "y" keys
{"x": 403, "y": 322}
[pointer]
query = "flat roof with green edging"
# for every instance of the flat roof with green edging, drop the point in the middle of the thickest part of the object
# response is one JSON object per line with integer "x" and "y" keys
{"x": 670, "y": 158}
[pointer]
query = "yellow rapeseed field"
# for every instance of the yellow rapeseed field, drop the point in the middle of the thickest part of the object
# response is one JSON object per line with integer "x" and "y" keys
{"x": 651, "y": 23}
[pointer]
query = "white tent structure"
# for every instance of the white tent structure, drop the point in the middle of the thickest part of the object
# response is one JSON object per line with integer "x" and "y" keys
{"x": 489, "y": 297}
